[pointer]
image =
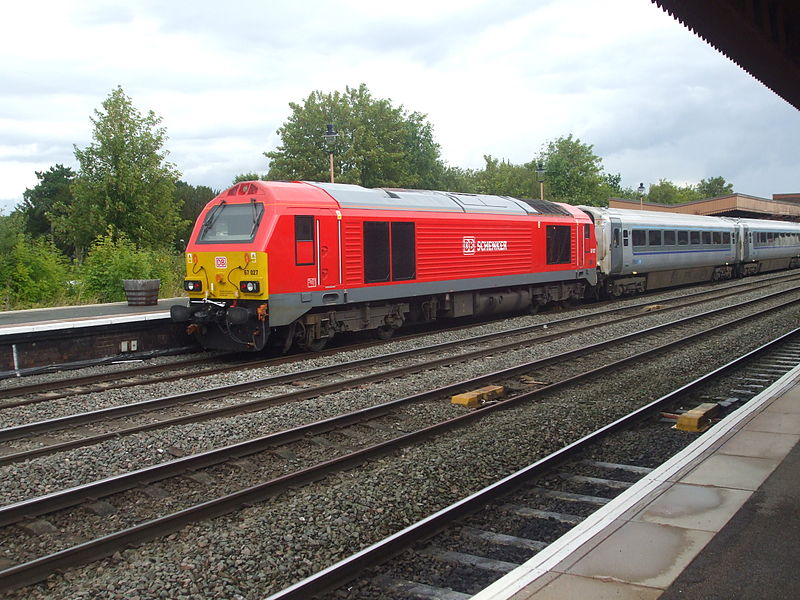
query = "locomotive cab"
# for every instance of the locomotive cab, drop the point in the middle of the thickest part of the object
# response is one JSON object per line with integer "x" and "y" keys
{"x": 226, "y": 273}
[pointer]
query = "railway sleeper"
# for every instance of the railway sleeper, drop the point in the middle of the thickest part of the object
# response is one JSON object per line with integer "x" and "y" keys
{"x": 535, "y": 513}
{"x": 469, "y": 560}
{"x": 415, "y": 589}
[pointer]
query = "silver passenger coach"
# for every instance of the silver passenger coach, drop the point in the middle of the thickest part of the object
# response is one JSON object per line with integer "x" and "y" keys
{"x": 641, "y": 250}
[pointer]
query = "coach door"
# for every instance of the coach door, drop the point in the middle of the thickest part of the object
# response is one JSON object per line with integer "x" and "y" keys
{"x": 616, "y": 245}
{"x": 745, "y": 243}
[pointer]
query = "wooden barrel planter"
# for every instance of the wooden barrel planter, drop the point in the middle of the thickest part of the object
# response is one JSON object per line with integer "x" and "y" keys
{"x": 141, "y": 292}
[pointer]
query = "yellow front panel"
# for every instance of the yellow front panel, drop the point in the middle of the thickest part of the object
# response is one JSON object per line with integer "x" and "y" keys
{"x": 221, "y": 273}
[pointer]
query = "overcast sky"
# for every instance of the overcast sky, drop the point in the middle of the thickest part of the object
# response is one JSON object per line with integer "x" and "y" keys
{"x": 499, "y": 77}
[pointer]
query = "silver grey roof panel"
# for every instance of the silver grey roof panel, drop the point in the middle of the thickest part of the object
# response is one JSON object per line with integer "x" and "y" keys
{"x": 355, "y": 196}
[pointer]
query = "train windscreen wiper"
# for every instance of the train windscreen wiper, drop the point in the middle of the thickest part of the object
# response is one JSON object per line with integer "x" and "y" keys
{"x": 212, "y": 216}
{"x": 256, "y": 216}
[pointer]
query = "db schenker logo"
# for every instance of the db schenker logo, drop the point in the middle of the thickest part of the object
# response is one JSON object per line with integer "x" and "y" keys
{"x": 221, "y": 262}
{"x": 471, "y": 245}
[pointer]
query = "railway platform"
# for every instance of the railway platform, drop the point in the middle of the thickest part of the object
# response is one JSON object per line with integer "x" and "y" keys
{"x": 32, "y": 339}
{"x": 719, "y": 520}
{"x": 90, "y": 315}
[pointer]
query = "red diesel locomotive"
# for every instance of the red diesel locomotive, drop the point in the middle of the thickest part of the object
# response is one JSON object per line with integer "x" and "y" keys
{"x": 296, "y": 263}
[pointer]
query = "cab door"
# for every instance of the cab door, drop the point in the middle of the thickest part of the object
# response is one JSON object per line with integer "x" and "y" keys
{"x": 328, "y": 236}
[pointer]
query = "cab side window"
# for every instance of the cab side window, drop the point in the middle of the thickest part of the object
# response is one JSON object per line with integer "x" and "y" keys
{"x": 304, "y": 240}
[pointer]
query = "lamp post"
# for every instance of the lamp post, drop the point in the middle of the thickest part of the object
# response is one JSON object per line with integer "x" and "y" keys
{"x": 330, "y": 137}
{"x": 540, "y": 178}
{"x": 641, "y": 196}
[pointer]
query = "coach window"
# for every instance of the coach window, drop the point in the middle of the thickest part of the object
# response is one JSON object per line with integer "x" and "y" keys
{"x": 404, "y": 260}
{"x": 654, "y": 238}
{"x": 303, "y": 240}
{"x": 717, "y": 237}
{"x": 683, "y": 238}
{"x": 638, "y": 237}
{"x": 706, "y": 237}
{"x": 559, "y": 244}
{"x": 376, "y": 251}
{"x": 694, "y": 238}
{"x": 669, "y": 238}
{"x": 726, "y": 237}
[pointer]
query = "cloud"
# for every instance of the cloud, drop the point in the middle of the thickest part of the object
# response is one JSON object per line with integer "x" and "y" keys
{"x": 500, "y": 77}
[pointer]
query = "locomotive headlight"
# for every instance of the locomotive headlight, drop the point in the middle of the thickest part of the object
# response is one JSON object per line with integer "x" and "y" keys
{"x": 191, "y": 285}
{"x": 250, "y": 287}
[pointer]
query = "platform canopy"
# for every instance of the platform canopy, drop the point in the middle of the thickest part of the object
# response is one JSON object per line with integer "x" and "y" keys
{"x": 782, "y": 207}
{"x": 761, "y": 36}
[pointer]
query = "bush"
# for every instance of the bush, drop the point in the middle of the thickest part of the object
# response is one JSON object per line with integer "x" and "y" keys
{"x": 113, "y": 258}
{"x": 32, "y": 273}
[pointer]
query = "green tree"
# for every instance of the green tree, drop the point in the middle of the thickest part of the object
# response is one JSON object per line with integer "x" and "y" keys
{"x": 503, "y": 178}
{"x": 114, "y": 257}
{"x": 53, "y": 190}
{"x": 192, "y": 200}
{"x": 713, "y": 187}
{"x": 456, "y": 179}
{"x": 574, "y": 173}
{"x": 377, "y": 144}
{"x": 246, "y": 177}
{"x": 33, "y": 272}
{"x": 124, "y": 180}
{"x": 666, "y": 192}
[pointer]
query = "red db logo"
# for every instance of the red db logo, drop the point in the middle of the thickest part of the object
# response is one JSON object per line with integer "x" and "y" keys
{"x": 469, "y": 245}
{"x": 221, "y": 262}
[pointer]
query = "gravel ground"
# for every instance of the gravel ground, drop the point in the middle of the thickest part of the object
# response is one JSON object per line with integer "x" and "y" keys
{"x": 263, "y": 548}
{"x": 652, "y": 444}
{"x": 76, "y": 467}
{"x": 99, "y": 400}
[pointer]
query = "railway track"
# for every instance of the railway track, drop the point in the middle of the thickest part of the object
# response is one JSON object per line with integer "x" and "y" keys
{"x": 12, "y": 396}
{"x": 26, "y": 441}
{"x": 27, "y": 513}
{"x": 461, "y": 549}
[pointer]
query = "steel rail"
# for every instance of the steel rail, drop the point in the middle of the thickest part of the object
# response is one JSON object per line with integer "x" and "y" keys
{"x": 45, "y": 386}
{"x": 348, "y": 569}
{"x": 40, "y": 568}
{"x": 50, "y": 425}
{"x": 41, "y": 388}
{"x": 259, "y": 404}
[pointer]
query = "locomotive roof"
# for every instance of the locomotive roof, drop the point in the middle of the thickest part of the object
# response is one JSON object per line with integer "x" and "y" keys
{"x": 355, "y": 196}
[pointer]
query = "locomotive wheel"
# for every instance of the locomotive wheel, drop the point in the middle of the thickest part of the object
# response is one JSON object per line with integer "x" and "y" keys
{"x": 316, "y": 345}
{"x": 304, "y": 339}
{"x": 383, "y": 332}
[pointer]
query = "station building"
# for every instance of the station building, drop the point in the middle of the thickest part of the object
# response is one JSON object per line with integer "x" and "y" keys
{"x": 781, "y": 207}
